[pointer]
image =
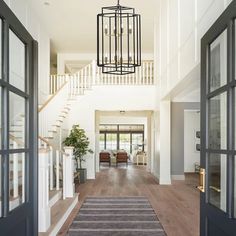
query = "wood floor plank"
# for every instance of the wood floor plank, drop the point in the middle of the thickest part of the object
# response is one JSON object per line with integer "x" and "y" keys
{"x": 177, "y": 205}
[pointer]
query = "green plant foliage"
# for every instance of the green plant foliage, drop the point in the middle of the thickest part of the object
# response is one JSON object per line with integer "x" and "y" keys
{"x": 78, "y": 139}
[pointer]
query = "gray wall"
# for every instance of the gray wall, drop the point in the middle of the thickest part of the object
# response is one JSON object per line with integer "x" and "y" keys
{"x": 177, "y": 134}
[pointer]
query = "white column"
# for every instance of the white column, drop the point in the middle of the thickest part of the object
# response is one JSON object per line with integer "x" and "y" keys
{"x": 68, "y": 173}
{"x": 43, "y": 194}
{"x": 165, "y": 142}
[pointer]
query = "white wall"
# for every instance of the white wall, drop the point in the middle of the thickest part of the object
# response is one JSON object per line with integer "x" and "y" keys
{"x": 25, "y": 13}
{"x": 108, "y": 98}
{"x": 179, "y": 28}
{"x": 181, "y": 25}
{"x": 191, "y": 125}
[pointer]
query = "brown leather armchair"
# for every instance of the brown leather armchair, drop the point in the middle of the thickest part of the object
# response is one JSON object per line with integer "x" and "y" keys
{"x": 122, "y": 157}
{"x": 104, "y": 157}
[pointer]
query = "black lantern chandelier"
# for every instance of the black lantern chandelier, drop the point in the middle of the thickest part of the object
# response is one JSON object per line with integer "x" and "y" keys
{"x": 118, "y": 40}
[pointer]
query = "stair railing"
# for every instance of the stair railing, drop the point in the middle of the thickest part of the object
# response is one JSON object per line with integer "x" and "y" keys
{"x": 55, "y": 173}
{"x": 92, "y": 75}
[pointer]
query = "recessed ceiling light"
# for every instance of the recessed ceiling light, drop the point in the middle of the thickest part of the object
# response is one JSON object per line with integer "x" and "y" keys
{"x": 46, "y": 3}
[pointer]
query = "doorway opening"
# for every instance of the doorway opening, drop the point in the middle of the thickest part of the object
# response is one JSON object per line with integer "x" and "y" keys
{"x": 192, "y": 146}
{"x": 124, "y": 140}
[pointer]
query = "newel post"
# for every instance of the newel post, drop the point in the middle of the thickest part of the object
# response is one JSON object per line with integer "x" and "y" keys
{"x": 68, "y": 173}
{"x": 43, "y": 191}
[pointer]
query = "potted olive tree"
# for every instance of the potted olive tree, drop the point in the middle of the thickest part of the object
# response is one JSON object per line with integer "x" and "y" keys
{"x": 78, "y": 139}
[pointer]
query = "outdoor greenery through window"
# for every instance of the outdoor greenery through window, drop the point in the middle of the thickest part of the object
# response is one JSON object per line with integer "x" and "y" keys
{"x": 125, "y": 137}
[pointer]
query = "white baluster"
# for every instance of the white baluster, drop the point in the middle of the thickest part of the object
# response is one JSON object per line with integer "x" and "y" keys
{"x": 143, "y": 73}
{"x": 51, "y": 167}
{"x": 140, "y": 74}
{"x": 79, "y": 82}
{"x": 89, "y": 77}
{"x": 151, "y": 73}
{"x": 15, "y": 172}
{"x": 23, "y": 177}
{"x": 84, "y": 77}
{"x": 82, "y": 81}
{"x": 94, "y": 71}
{"x": 133, "y": 77}
{"x": 57, "y": 170}
{"x": 50, "y": 85}
{"x": 147, "y": 74}
{"x": 75, "y": 85}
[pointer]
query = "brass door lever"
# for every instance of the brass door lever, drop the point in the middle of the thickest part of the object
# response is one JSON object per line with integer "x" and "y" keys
{"x": 202, "y": 175}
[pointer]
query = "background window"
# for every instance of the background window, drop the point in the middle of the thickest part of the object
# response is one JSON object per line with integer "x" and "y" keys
{"x": 102, "y": 142}
{"x": 137, "y": 141}
{"x": 125, "y": 142}
{"x": 111, "y": 141}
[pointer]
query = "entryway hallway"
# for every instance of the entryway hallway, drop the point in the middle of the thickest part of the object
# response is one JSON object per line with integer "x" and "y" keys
{"x": 176, "y": 205}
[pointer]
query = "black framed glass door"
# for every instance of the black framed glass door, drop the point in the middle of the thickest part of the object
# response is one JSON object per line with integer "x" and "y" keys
{"x": 218, "y": 154}
{"x": 18, "y": 116}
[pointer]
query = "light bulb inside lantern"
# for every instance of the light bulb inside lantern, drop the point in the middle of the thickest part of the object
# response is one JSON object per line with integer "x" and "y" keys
{"x": 106, "y": 29}
{"x": 130, "y": 29}
{"x": 106, "y": 58}
{"x": 130, "y": 57}
{"x": 122, "y": 28}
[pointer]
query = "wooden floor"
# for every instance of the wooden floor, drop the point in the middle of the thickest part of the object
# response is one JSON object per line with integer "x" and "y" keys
{"x": 177, "y": 206}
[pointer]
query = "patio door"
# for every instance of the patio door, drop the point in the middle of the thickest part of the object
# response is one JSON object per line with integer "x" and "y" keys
{"x": 18, "y": 127}
{"x": 218, "y": 119}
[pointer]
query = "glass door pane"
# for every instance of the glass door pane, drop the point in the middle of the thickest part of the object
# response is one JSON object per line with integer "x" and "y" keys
{"x": 17, "y": 121}
{"x": 217, "y": 180}
{"x": 1, "y": 48}
{"x": 217, "y": 134}
{"x": 16, "y": 62}
{"x": 218, "y": 59}
{"x": 235, "y": 187}
{"x": 0, "y": 185}
{"x": 16, "y": 180}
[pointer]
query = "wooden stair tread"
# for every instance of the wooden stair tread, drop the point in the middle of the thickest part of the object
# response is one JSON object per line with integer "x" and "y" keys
{"x": 52, "y": 193}
{"x": 56, "y": 126}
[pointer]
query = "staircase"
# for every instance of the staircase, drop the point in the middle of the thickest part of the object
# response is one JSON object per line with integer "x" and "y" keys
{"x": 56, "y": 167}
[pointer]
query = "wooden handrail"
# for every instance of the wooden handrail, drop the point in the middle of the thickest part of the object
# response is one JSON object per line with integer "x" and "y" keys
{"x": 49, "y": 144}
{"x": 50, "y": 99}
{"x": 60, "y": 74}
{"x": 13, "y": 138}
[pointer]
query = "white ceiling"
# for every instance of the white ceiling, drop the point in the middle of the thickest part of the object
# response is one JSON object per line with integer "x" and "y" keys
{"x": 71, "y": 24}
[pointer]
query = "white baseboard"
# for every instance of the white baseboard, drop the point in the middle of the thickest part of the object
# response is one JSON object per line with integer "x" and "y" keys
{"x": 178, "y": 177}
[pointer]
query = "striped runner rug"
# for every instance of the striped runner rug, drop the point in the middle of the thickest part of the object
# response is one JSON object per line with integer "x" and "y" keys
{"x": 116, "y": 216}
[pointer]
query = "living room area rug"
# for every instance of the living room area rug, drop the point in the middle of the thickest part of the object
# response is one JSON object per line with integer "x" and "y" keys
{"x": 116, "y": 216}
